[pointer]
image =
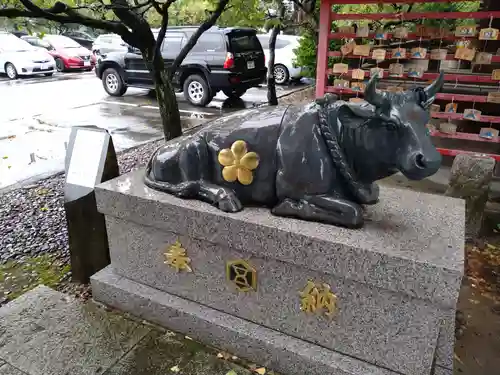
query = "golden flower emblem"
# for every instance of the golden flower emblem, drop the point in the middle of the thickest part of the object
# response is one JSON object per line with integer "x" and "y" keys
{"x": 238, "y": 163}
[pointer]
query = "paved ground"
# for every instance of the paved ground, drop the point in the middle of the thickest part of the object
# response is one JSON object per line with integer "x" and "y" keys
{"x": 46, "y": 332}
{"x": 37, "y": 113}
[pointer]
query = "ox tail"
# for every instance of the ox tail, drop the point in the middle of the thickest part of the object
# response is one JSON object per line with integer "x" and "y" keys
{"x": 187, "y": 189}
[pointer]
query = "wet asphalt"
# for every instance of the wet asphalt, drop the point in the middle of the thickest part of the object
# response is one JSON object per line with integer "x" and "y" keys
{"x": 36, "y": 116}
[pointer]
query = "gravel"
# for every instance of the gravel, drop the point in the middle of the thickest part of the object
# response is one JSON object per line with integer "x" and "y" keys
{"x": 32, "y": 218}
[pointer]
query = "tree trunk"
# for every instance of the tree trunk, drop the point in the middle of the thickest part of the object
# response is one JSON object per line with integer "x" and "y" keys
{"x": 272, "y": 99}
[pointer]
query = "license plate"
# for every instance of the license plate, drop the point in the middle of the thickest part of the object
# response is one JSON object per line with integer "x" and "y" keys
{"x": 86, "y": 63}
{"x": 251, "y": 64}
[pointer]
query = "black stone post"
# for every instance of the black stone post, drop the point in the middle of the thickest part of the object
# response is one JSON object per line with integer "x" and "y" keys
{"x": 90, "y": 160}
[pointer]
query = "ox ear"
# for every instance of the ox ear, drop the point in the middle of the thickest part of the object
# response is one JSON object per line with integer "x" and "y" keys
{"x": 372, "y": 96}
{"x": 433, "y": 89}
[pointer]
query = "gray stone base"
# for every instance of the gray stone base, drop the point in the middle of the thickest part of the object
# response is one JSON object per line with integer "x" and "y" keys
{"x": 265, "y": 347}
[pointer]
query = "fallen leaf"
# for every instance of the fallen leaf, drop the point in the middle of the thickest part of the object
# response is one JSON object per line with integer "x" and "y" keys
{"x": 5, "y": 157}
{"x": 490, "y": 246}
{"x": 44, "y": 209}
{"x": 175, "y": 369}
{"x": 232, "y": 372}
{"x": 188, "y": 338}
{"x": 9, "y": 166}
{"x": 260, "y": 371}
{"x": 220, "y": 355}
{"x": 458, "y": 359}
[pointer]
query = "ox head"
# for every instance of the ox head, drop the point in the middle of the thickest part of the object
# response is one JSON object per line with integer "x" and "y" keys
{"x": 405, "y": 115}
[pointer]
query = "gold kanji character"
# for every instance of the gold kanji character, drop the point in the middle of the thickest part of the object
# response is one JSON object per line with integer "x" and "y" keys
{"x": 327, "y": 300}
{"x": 317, "y": 299}
{"x": 309, "y": 297}
{"x": 176, "y": 257}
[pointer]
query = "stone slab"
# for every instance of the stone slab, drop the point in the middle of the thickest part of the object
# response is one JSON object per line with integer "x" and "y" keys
{"x": 46, "y": 332}
{"x": 414, "y": 247}
{"x": 371, "y": 324}
{"x": 159, "y": 352}
{"x": 445, "y": 351}
{"x": 266, "y": 347}
{"x": 7, "y": 369}
{"x": 443, "y": 371}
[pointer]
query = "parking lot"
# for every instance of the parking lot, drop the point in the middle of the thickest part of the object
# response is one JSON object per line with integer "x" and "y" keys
{"x": 37, "y": 113}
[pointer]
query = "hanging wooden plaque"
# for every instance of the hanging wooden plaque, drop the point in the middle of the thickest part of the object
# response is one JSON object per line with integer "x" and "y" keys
{"x": 435, "y": 108}
{"x": 362, "y": 31}
{"x": 378, "y": 54}
{"x": 395, "y": 70}
{"x": 340, "y": 68}
{"x": 399, "y": 53}
{"x": 348, "y": 48}
{"x": 493, "y": 97}
{"x": 420, "y": 30}
{"x": 488, "y": 34}
{"x": 380, "y": 35}
{"x": 488, "y": 133}
{"x": 495, "y": 75}
{"x": 400, "y": 32}
{"x": 342, "y": 83}
{"x": 358, "y": 74}
{"x": 362, "y": 50}
{"x": 465, "y": 53}
{"x": 438, "y": 54}
{"x": 472, "y": 114}
{"x": 375, "y": 70}
{"x": 465, "y": 30}
{"x": 483, "y": 58}
{"x": 346, "y": 29}
{"x": 358, "y": 86}
{"x": 451, "y": 108}
{"x": 416, "y": 72}
{"x": 418, "y": 53}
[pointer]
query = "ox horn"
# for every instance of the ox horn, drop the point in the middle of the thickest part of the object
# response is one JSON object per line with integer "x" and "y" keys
{"x": 371, "y": 94}
{"x": 434, "y": 87}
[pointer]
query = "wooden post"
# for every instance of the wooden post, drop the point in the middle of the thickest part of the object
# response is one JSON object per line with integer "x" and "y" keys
{"x": 323, "y": 46}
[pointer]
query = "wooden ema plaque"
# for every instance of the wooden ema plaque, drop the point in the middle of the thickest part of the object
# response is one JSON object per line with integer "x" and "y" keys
{"x": 399, "y": 53}
{"x": 358, "y": 86}
{"x": 495, "y": 75}
{"x": 451, "y": 108}
{"x": 466, "y": 31}
{"x": 400, "y": 32}
{"x": 488, "y": 34}
{"x": 483, "y": 58}
{"x": 346, "y": 29}
{"x": 472, "y": 114}
{"x": 418, "y": 53}
{"x": 494, "y": 97}
{"x": 380, "y": 35}
{"x": 435, "y": 108}
{"x": 348, "y": 48}
{"x": 465, "y": 53}
{"x": 362, "y": 31}
{"x": 416, "y": 72}
{"x": 438, "y": 54}
{"x": 378, "y": 54}
{"x": 488, "y": 133}
{"x": 341, "y": 83}
{"x": 395, "y": 70}
{"x": 375, "y": 70}
{"x": 340, "y": 68}
{"x": 358, "y": 74}
{"x": 362, "y": 50}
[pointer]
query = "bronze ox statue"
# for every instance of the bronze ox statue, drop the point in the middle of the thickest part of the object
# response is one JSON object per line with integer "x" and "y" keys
{"x": 315, "y": 162}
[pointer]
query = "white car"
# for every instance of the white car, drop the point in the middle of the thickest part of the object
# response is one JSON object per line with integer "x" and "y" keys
{"x": 18, "y": 57}
{"x": 107, "y": 43}
{"x": 284, "y": 69}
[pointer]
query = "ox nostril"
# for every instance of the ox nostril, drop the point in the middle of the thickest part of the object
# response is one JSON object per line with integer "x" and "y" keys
{"x": 420, "y": 161}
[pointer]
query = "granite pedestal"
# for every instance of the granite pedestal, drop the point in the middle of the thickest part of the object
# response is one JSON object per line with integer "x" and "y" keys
{"x": 395, "y": 283}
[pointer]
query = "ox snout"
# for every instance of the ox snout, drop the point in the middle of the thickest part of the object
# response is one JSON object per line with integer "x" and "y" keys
{"x": 420, "y": 165}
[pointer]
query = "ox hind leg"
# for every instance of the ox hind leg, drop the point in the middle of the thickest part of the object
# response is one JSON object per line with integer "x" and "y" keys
{"x": 188, "y": 167}
{"x": 322, "y": 208}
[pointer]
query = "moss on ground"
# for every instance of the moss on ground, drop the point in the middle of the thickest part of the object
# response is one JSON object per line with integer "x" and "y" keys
{"x": 18, "y": 277}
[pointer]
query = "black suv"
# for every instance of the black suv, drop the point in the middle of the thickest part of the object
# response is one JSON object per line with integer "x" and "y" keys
{"x": 229, "y": 59}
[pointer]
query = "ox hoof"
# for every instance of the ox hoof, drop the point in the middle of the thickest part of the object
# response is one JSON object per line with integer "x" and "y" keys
{"x": 229, "y": 203}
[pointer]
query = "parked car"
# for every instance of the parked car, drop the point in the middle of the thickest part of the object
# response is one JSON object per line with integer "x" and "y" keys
{"x": 107, "y": 43}
{"x": 230, "y": 60}
{"x": 20, "y": 58}
{"x": 84, "y": 39}
{"x": 284, "y": 58}
{"x": 68, "y": 54}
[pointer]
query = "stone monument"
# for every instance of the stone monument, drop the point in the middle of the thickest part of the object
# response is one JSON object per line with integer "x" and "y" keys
{"x": 299, "y": 297}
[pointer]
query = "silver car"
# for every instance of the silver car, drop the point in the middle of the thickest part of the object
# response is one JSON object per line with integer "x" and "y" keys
{"x": 107, "y": 43}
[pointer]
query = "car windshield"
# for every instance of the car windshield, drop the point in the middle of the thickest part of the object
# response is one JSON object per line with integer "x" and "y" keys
{"x": 11, "y": 43}
{"x": 60, "y": 41}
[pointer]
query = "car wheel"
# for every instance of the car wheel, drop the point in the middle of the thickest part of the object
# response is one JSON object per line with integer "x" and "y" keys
{"x": 281, "y": 74}
{"x": 60, "y": 65}
{"x": 234, "y": 93}
{"x": 196, "y": 90}
{"x": 11, "y": 71}
{"x": 113, "y": 82}
{"x": 48, "y": 74}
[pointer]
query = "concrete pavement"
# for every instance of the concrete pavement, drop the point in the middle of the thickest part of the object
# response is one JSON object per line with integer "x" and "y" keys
{"x": 36, "y": 116}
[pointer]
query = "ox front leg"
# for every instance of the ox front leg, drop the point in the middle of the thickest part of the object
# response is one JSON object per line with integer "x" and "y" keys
{"x": 324, "y": 209}
{"x": 221, "y": 197}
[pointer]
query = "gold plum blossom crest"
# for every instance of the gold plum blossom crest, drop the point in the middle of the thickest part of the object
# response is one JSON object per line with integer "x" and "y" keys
{"x": 238, "y": 163}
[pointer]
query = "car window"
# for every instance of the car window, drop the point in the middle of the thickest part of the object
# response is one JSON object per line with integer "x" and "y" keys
{"x": 280, "y": 43}
{"x": 60, "y": 41}
{"x": 11, "y": 43}
{"x": 264, "y": 40}
{"x": 172, "y": 42}
{"x": 209, "y": 42}
{"x": 244, "y": 41}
